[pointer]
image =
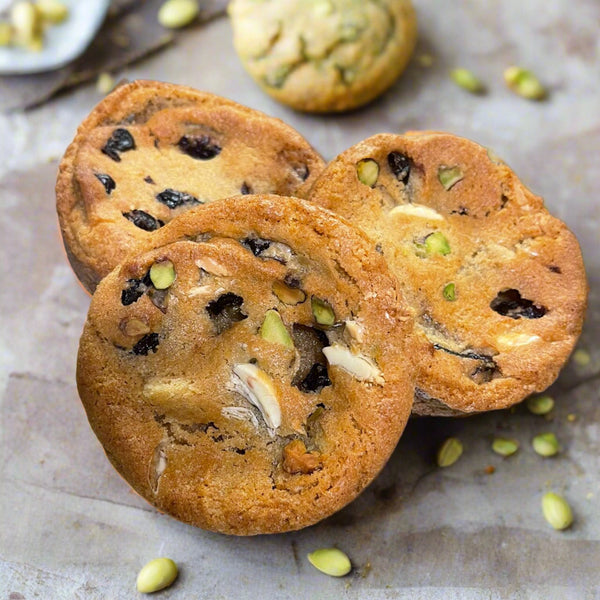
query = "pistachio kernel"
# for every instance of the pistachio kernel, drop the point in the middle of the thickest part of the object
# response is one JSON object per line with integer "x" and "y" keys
{"x": 505, "y": 446}
{"x": 105, "y": 83}
{"x": 26, "y": 23}
{"x": 322, "y": 311}
{"x": 162, "y": 274}
{"x": 467, "y": 81}
{"x": 174, "y": 14}
{"x": 581, "y": 357}
{"x": 288, "y": 295}
{"x": 134, "y": 327}
{"x": 156, "y": 575}
{"x": 52, "y": 11}
{"x": 437, "y": 243}
{"x": 449, "y": 292}
{"x": 273, "y": 330}
{"x": 524, "y": 83}
{"x": 449, "y": 452}
{"x": 556, "y": 511}
{"x": 449, "y": 176}
{"x": 367, "y": 171}
{"x": 545, "y": 444}
{"x": 540, "y": 405}
{"x": 330, "y": 561}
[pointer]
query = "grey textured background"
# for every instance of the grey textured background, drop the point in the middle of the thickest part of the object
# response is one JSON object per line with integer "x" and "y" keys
{"x": 71, "y": 528}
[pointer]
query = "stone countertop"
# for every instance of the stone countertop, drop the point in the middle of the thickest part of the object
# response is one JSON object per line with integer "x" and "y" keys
{"x": 71, "y": 528}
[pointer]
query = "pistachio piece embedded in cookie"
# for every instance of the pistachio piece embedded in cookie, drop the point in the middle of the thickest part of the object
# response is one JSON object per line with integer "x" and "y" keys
{"x": 497, "y": 282}
{"x": 151, "y": 151}
{"x": 272, "y": 380}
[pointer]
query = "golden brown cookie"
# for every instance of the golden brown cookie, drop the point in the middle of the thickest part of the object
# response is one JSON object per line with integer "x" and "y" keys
{"x": 324, "y": 55}
{"x": 250, "y": 373}
{"x": 497, "y": 282}
{"x": 150, "y": 151}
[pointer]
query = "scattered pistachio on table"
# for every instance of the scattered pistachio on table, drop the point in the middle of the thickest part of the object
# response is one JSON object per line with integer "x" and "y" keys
{"x": 156, "y": 575}
{"x": 545, "y": 444}
{"x": 540, "y": 405}
{"x": 524, "y": 83}
{"x": 105, "y": 83}
{"x": 174, "y": 14}
{"x": 581, "y": 357}
{"x": 505, "y": 446}
{"x": 467, "y": 80}
{"x": 556, "y": 511}
{"x": 330, "y": 561}
{"x": 449, "y": 452}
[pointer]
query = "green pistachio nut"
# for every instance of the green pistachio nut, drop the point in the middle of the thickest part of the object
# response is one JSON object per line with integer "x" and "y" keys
{"x": 449, "y": 452}
{"x": 162, "y": 274}
{"x": 174, "y": 14}
{"x": 556, "y": 511}
{"x": 545, "y": 444}
{"x": 322, "y": 311}
{"x": 539, "y": 405}
{"x": 524, "y": 83}
{"x": 368, "y": 171}
{"x": 52, "y": 11}
{"x": 449, "y": 176}
{"x": 330, "y": 561}
{"x": 156, "y": 575}
{"x": 449, "y": 292}
{"x": 505, "y": 446}
{"x": 437, "y": 243}
{"x": 467, "y": 81}
{"x": 273, "y": 330}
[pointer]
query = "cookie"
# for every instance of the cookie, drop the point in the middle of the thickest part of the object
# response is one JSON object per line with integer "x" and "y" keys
{"x": 150, "y": 151}
{"x": 324, "y": 55}
{"x": 498, "y": 284}
{"x": 251, "y": 372}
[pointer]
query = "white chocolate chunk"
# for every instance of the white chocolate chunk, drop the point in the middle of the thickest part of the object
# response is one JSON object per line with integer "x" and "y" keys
{"x": 359, "y": 366}
{"x": 507, "y": 341}
{"x": 257, "y": 387}
{"x": 240, "y": 413}
{"x": 354, "y": 329}
{"x": 417, "y": 210}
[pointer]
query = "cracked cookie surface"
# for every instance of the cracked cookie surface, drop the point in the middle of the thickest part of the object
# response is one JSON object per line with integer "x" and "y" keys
{"x": 150, "y": 151}
{"x": 250, "y": 371}
{"x": 324, "y": 55}
{"x": 497, "y": 282}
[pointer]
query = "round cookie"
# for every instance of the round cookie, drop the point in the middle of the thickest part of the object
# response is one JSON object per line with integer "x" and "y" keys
{"x": 150, "y": 151}
{"x": 497, "y": 282}
{"x": 249, "y": 373}
{"x": 324, "y": 55}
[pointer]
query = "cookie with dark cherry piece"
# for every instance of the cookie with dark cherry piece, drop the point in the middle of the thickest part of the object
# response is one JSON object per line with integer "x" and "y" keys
{"x": 250, "y": 371}
{"x": 150, "y": 151}
{"x": 497, "y": 282}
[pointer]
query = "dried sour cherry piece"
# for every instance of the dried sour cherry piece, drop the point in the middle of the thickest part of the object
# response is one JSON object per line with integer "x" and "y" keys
{"x": 316, "y": 380}
{"x": 399, "y": 165}
{"x": 245, "y": 189}
{"x": 146, "y": 344}
{"x": 256, "y": 245}
{"x": 143, "y": 220}
{"x": 107, "y": 181}
{"x": 509, "y": 303}
{"x": 174, "y": 199}
{"x": 119, "y": 141}
{"x": 135, "y": 289}
{"x": 225, "y": 311}
{"x": 200, "y": 148}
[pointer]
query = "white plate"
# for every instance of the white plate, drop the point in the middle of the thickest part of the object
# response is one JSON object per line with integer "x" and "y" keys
{"x": 62, "y": 43}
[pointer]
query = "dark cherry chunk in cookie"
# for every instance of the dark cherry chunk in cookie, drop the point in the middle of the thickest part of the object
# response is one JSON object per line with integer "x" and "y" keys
{"x": 509, "y": 303}
{"x": 256, "y": 245}
{"x": 135, "y": 289}
{"x": 200, "y": 148}
{"x": 225, "y": 311}
{"x": 146, "y": 344}
{"x": 400, "y": 165}
{"x": 107, "y": 181}
{"x": 174, "y": 199}
{"x": 311, "y": 375}
{"x": 143, "y": 220}
{"x": 120, "y": 141}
